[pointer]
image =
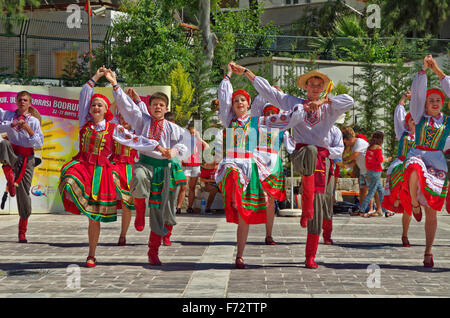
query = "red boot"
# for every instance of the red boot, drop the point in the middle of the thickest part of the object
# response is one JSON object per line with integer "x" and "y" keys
{"x": 327, "y": 227}
{"x": 9, "y": 175}
{"x": 140, "y": 206}
{"x": 308, "y": 190}
{"x": 153, "y": 244}
{"x": 22, "y": 230}
{"x": 312, "y": 242}
{"x": 166, "y": 239}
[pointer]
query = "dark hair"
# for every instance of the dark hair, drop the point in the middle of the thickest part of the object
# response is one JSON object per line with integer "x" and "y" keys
{"x": 169, "y": 116}
{"x": 376, "y": 139}
{"x": 159, "y": 95}
{"x": 347, "y": 136}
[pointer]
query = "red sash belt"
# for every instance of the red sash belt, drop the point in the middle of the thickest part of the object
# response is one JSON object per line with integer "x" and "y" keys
{"x": 91, "y": 158}
{"x": 240, "y": 155}
{"x": 426, "y": 148}
{"x": 402, "y": 158}
{"x": 265, "y": 149}
{"x": 122, "y": 159}
{"x": 320, "y": 172}
{"x": 25, "y": 152}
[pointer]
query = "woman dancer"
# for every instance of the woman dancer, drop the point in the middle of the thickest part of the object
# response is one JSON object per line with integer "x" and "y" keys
{"x": 425, "y": 169}
{"x": 243, "y": 175}
{"x": 86, "y": 182}
{"x": 404, "y": 132}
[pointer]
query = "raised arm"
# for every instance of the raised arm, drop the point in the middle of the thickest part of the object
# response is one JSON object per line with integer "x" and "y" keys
{"x": 85, "y": 97}
{"x": 130, "y": 112}
{"x": 419, "y": 94}
{"x": 225, "y": 93}
{"x": 268, "y": 92}
{"x": 257, "y": 108}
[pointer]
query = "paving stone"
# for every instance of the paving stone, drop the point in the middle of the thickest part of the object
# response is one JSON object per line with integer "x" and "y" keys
{"x": 200, "y": 263}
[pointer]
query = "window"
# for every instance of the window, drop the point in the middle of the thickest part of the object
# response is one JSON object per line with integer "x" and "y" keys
{"x": 292, "y": 1}
{"x": 61, "y": 59}
{"x": 30, "y": 61}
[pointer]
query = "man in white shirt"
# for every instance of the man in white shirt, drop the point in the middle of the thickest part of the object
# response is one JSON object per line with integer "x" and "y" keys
{"x": 359, "y": 147}
{"x": 23, "y": 129}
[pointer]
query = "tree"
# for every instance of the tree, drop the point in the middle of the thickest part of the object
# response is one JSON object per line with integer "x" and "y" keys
{"x": 14, "y": 9}
{"x": 240, "y": 34}
{"x": 148, "y": 42}
{"x": 181, "y": 91}
{"x": 202, "y": 96}
{"x": 209, "y": 38}
{"x": 413, "y": 18}
{"x": 317, "y": 21}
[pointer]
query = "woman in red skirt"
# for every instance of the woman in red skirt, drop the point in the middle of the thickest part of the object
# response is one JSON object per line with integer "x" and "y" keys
{"x": 86, "y": 182}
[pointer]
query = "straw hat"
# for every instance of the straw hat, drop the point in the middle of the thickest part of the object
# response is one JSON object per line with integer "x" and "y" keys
{"x": 302, "y": 79}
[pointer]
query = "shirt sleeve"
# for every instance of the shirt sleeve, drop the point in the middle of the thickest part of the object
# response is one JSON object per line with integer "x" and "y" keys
{"x": 360, "y": 146}
{"x": 289, "y": 142}
{"x": 379, "y": 156}
{"x": 257, "y": 108}
{"x": 338, "y": 106}
{"x": 445, "y": 84}
{"x": 84, "y": 102}
{"x": 138, "y": 142}
{"x": 272, "y": 95}
{"x": 283, "y": 120}
{"x": 182, "y": 140}
{"x": 37, "y": 140}
{"x": 418, "y": 96}
{"x": 130, "y": 112}
{"x": 399, "y": 121}
{"x": 336, "y": 145}
{"x": 225, "y": 93}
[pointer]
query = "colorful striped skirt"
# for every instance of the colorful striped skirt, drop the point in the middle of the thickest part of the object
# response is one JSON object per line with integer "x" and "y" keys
{"x": 242, "y": 191}
{"x": 122, "y": 173}
{"x": 89, "y": 189}
{"x": 393, "y": 186}
{"x": 274, "y": 184}
{"x": 431, "y": 169}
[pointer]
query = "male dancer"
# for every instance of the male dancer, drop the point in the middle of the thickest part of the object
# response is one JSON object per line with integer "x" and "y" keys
{"x": 23, "y": 129}
{"x": 156, "y": 177}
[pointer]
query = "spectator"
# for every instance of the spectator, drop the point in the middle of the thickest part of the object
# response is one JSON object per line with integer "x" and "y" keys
{"x": 170, "y": 117}
{"x": 358, "y": 147}
{"x": 207, "y": 173}
{"x": 374, "y": 160}
{"x": 191, "y": 168}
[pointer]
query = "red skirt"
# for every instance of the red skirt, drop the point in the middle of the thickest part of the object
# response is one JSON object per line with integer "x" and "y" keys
{"x": 434, "y": 200}
{"x": 90, "y": 189}
{"x": 250, "y": 204}
{"x": 122, "y": 173}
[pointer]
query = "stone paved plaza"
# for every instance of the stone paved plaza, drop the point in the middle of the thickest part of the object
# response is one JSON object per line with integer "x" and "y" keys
{"x": 367, "y": 260}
